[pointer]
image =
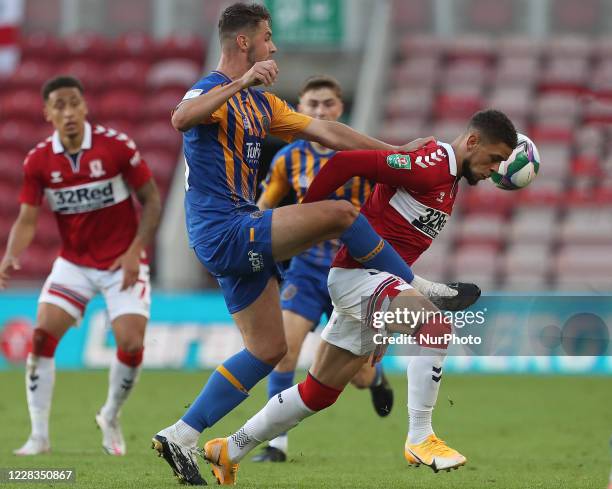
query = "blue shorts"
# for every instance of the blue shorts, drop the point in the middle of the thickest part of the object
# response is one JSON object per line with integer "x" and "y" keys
{"x": 240, "y": 258}
{"x": 304, "y": 290}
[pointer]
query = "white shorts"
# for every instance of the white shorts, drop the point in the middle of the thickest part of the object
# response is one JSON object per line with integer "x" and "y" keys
{"x": 356, "y": 294}
{"x": 71, "y": 287}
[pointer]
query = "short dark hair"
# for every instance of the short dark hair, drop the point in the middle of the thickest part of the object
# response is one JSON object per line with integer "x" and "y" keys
{"x": 241, "y": 16}
{"x": 322, "y": 81}
{"x": 495, "y": 126}
{"x": 62, "y": 81}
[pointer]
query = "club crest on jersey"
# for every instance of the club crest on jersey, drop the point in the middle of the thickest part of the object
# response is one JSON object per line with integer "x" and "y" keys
{"x": 56, "y": 177}
{"x": 95, "y": 169}
{"x": 399, "y": 162}
{"x": 441, "y": 197}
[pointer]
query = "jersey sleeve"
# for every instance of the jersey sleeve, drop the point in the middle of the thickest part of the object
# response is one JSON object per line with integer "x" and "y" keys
{"x": 286, "y": 123}
{"x": 387, "y": 167}
{"x": 198, "y": 90}
{"x": 32, "y": 187}
{"x": 133, "y": 167}
{"x": 276, "y": 185}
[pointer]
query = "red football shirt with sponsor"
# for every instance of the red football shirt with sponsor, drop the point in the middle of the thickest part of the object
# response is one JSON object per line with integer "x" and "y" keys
{"x": 412, "y": 200}
{"x": 89, "y": 193}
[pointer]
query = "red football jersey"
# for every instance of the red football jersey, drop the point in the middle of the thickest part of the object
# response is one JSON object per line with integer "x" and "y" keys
{"x": 412, "y": 200}
{"x": 89, "y": 194}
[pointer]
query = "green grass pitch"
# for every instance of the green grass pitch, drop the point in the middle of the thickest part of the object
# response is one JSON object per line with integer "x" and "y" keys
{"x": 517, "y": 432}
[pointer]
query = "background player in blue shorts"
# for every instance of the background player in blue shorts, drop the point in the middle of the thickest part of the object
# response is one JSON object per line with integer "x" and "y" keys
{"x": 224, "y": 121}
{"x": 304, "y": 294}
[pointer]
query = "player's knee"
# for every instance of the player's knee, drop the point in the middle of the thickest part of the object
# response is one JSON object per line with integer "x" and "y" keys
{"x": 317, "y": 396}
{"x": 130, "y": 345}
{"x": 274, "y": 353}
{"x": 344, "y": 214}
{"x": 43, "y": 343}
{"x": 288, "y": 362}
{"x": 361, "y": 380}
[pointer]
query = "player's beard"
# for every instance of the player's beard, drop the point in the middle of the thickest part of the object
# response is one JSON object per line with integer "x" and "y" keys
{"x": 466, "y": 171}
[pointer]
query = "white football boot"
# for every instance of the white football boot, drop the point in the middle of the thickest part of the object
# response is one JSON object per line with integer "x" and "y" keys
{"x": 112, "y": 437}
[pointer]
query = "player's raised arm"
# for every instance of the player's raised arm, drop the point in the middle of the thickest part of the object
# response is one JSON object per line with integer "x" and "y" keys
{"x": 373, "y": 165}
{"x": 21, "y": 235}
{"x": 338, "y": 136}
{"x": 198, "y": 107}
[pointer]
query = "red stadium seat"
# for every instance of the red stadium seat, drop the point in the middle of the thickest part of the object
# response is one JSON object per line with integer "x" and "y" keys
{"x": 533, "y": 225}
{"x": 435, "y": 262}
{"x": 488, "y": 16}
{"x": 598, "y": 111}
{"x": 486, "y": 199}
{"x": 587, "y": 225}
{"x": 11, "y": 166}
{"x": 159, "y": 105}
{"x": 9, "y": 200}
{"x": 162, "y": 164}
{"x": 89, "y": 72}
{"x": 517, "y": 70}
{"x": 134, "y": 45}
{"x": 414, "y": 15}
{"x": 42, "y": 46}
{"x": 126, "y": 74}
{"x": 19, "y": 135}
{"x": 190, "y": 47}
{"x": 158, "y": 135}
{"x": 400, "y": 131}
{"x": 481, "y": 229}
{"x": 476, "y": 264}
{"x": 564, "y": 74}
{"x": 409, "y": 102}
{"x": 31, "y": 74}
{"x": 88, "y": 46}
{"x": 569, "y": 46}
{"x": 515, "y": 101}
{"x": 519, "y": 46}
{"x": 25, "y": 104}
{"x": 121, "y": 103}
{"x": 174, "y": 73}
{"x": 472, "y": 48}
{"x": 424, "y": 45}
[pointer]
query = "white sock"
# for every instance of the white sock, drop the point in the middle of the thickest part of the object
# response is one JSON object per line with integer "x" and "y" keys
{"x": 121, "y": 379}
{"x": 280, "y": 414}
{"x": 432, "y": 289}
{"x": 423, "y": 390}
{"x": 40, "y": 377}
{"x": 181, "y": 433}
{"x": 281, "y": 443}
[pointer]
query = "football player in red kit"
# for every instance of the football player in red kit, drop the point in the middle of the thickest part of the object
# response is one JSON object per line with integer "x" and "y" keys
{"x": 410, "y": 204}
{"x": 87, "y": 174}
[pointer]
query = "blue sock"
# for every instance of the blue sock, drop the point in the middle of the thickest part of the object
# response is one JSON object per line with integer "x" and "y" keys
{"x": 368, "y": 248}
{"x": 378, "y": 376}
{"x": 227, "y": 387}
{"x": 279, "y": 381}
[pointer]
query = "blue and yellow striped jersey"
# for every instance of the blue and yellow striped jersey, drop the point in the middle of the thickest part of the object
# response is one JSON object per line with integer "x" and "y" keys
{"x": 222, "y": 155}
{"x": 294, "y": 167}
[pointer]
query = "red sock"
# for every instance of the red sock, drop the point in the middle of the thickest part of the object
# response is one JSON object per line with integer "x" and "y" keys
{"x": 316, "y": 395}
{"x": 131, "y": 359}
{"x": 43, "y": 343}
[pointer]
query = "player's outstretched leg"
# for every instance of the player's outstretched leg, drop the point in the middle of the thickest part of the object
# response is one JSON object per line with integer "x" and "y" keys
{"x": 129, "y": 332}
{"x": 53, "y": 322}
{"x": 262, "y": 331}
{"x": 424, "y": 375}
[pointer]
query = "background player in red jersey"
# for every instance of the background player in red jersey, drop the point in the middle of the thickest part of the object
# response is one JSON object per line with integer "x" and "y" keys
{"x": 414, "y": 196}
{"x": 87, "y": 175}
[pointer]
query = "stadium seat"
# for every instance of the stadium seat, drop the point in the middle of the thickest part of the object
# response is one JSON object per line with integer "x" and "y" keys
{"x": 88, "y": 71}
{"x": 406, "y": 102}
{"x": 576, "y": 15}
{"x": 514, "y": 101}
{"x": 162, "y": 163}
{"x": 87, "y": 46}
{"x": 134, "y": 45}
{"x": 533, "y": 225}
{"x": 43, "y": 46}
{"x": 11, "y": 167}
{"x": 513, "y": 70}
{"x": 476, "y": 264}
{"x": 425, "y": 45}
{"x": 472, "y": 48}
{"x": 399, "y": 131}
{"x": 525, "y": 264}
{"x": 158, "y": 135}
{"x": 486, "y": 199}
{"x": 160, "y": 104}
{"x": 557, "y": 105}
{"x": 564, "y": 74}
{"x": 433, "y": 264}
{"x": 30, "y": 74}
{"x": 519, "y": 46}
{"x": 416, "y": 72}
{"x": 126, "y": 73}
{"x": 483, "y": 15}
{"x": 19, "y": 135}
{"x": 569, "y": 46}
{"x": 182, "y": 46}
{"x": 121, "y": 103}
{"x": 174, "y": 73}
{"x": 598, "y": 111}
{"x": 587, "y": 225}
{"x": 24, "y": 104}
{"x": 587, "y": 268}
{"x": 412, "y": 15}
{"x": 481, "y": 229}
